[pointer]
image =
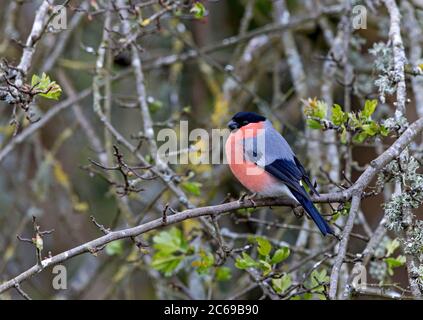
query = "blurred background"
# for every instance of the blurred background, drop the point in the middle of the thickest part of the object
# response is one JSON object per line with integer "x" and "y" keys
{"x": 239, "y": 55}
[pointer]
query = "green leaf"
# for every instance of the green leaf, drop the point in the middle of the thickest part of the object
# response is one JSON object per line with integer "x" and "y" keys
{"x": 338, "y": 116}
{"x": 245, "y": 262}
{"x": 371, "y": 128}
{"x": 192, "y": 187}
{"x": 206, "y": 261}
{"x": 307, "y": 296}
{"x": 265, "y": 267}
{"x": 264, "y": 246}
{"x": 320, "y": 276}
{"x": 335, "y": 217}
{"x": 354, "y": 122}
{"x": 321, "y": 296}
{"x": 223, "y": 274}
{"x": 166, "y": 263}
{"x": 50, "y": 89}
{"x": 320, "y": 110}
{"x": 315, "y": 108}
{"x": 395, "y": 262}
{"x": 314, "y": 124}
{"x": 154, "y": 105}
{"x": 168, "y": 242}
{"x": 369, "y": 108}
{"x": 171, "y": 248}
{"x": 280, "y": 255}
{"x": 114, "y": 248}
{"x": 198, "y": 10}
{"x": 344, "y": 135}
{"x": 317, "y": 279}
{"x": 392, "y": 246}
{"x": 360, "y": 137}
{"x": 392, "y": 263}
{"x": 281, "y": 284}
{"x": 384, "y": 131}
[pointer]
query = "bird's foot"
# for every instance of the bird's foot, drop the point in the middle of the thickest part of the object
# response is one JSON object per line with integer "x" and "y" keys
{"x": 248, "y": 197}
{"x": 298, "y": 211}
{"x": 336, "y": 236}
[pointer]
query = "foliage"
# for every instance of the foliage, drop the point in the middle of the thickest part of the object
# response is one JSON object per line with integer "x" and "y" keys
{"x": 383, "y": 267}
{"x": 360, "y": 124}
{"x": 46, "y": 88}
{"x": 198, "y": 10}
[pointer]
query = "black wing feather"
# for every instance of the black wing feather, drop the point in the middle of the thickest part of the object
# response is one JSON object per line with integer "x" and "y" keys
{"x": 305, "y": 176}
{"x": 289, "y": 173}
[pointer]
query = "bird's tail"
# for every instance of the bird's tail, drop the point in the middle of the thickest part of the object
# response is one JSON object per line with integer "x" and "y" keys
{"x": 313, "y": 213}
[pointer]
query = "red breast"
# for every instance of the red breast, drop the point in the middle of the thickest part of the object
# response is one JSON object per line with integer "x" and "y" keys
{"x": 248, "y": 173}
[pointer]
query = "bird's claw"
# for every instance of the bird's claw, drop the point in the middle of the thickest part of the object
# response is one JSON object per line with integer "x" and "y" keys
{"x": 298, "y": 211}
{"x": 250, "y": 198}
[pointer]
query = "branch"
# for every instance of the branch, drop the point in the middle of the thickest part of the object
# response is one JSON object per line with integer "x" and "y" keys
{"x": 334, "y": 277}
{"x": 399, "y": 55}
{"x": 38, "y": 28}
{"x": 137, "y": 66}
{"x": 99, "y": 243}
{"x": 231, "y": 41}
{"x": 27, "y": 132}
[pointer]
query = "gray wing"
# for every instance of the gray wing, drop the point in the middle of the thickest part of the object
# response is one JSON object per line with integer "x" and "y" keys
{"x": 273, "y": 153}
{"x": 268, "y": 147}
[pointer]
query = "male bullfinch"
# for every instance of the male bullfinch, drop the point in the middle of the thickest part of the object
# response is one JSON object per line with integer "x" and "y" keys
{"x": 261, "y": 159}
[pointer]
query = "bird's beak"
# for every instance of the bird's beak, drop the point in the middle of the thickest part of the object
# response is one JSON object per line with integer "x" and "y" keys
{"x": 232, "y": 125}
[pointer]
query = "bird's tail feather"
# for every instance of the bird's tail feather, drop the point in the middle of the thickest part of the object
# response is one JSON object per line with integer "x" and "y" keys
{"x": 313, "y": 213}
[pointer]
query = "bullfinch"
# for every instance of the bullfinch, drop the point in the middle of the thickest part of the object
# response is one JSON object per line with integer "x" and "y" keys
{"x": 262, "y": 160}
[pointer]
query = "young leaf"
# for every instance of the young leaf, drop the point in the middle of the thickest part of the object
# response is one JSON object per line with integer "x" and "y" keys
{"x": 344, "y": 135}
{"x": 114, "y": 248}
{"x": 395, "y": 262}
{"x": 314, "y": 124}
{"x": 245, "y": 262}
{"x": 206, "y": 261}
{"x": 384, "y": 131}
{"x": 338, "y": 116}
{"x": 280, "y": 255}
{"x": 360, "y": 137}
{"x": 317, "y": 279}
{"x": 192, "y": 187}
{"x": 168, "y": 242}
{"x": 392, "y": 263}
{"x": 166, "y": 263}
{"x": 265, "y": 267}
{"x": 371, "y": 128}
{"x": 315, "y": 108}
{"x": 154, "y": 105}
{"x": 198, "y": 10}
{"x": 264, "y": 246}
{"x": 307, "y": 296}
{"x": 281, "y": 284}
{"x": 353, "y": 120}
{"x": 369, "y": 108}
{"x": 391, "y": 247}
{"x": 223, "y": 274}
{"x": 49, "y": 89}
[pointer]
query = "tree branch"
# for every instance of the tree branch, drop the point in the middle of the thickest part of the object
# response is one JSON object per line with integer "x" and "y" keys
{"x": 94, "y": 245}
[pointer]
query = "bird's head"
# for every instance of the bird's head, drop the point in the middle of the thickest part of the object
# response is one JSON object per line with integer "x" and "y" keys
{"x": 242, "y": 119}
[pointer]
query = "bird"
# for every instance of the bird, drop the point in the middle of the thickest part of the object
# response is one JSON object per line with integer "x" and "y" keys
{"x": 263, "y": 162}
